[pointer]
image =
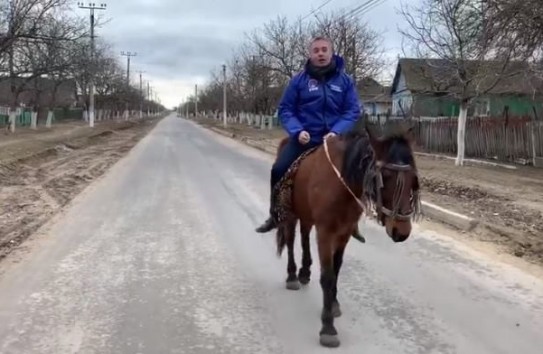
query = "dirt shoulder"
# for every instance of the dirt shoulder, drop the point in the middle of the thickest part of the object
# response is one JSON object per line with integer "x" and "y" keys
{"x": 27, "y": 142}
{"x": 41, "y": 171}
{"x": 508, "y": 203}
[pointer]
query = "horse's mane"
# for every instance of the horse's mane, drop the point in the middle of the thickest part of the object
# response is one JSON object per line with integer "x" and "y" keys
{"x": 359, "y": 158}
{"x": 359, "y": 163}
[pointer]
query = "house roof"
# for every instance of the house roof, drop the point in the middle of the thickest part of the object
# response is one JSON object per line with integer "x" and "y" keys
{"x": 370, "y": 90}
{"x": 441, "y": 76}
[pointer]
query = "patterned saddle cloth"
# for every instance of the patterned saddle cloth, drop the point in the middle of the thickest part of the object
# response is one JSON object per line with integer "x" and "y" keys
{"x": 282, "y": 192}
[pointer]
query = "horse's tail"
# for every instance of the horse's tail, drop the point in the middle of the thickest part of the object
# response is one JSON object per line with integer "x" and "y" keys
{"x": 281, "y": 240}
{"x": 286, "y": 232}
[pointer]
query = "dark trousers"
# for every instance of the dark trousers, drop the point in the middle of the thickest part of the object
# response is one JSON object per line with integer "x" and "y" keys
{"x": 292, "y": 150}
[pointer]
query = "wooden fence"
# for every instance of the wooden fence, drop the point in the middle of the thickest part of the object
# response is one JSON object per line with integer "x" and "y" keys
{"x": 504, "y": 139}
{"x": 512, "y": 139}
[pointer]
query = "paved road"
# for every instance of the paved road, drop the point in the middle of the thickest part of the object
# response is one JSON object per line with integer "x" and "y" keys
{"x": 159, "y": 256}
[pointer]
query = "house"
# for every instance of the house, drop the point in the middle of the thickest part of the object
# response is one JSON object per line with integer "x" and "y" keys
{"x": 374, "y": 96}
{"x": 38, "y": 92}
{"x": 428, "y": 87}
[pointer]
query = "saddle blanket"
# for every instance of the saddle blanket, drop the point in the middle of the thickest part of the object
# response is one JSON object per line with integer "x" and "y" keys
{"x": 282, "y": 192}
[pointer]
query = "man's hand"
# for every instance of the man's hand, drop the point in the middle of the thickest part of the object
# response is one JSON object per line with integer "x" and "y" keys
{"x": 329, "y": 135}
{"x": 304, "y": 137}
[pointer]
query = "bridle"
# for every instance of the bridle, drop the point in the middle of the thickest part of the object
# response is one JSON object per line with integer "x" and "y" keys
{"x": 395, "y": 213}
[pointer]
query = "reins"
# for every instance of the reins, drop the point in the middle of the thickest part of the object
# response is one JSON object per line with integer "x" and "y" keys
{"x": 360, "y": 203}
{"x": 400, "y": 185}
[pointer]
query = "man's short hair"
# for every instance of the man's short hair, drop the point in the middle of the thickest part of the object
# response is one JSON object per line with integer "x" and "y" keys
{"x": 321, "y": 38}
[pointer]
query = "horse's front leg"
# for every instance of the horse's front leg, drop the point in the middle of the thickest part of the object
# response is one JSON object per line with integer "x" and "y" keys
{"x": 338, "y": 261}
{"x": 328, "y": 333}
{"x": 305, "y": 271}
{"x": 290, "y": 235}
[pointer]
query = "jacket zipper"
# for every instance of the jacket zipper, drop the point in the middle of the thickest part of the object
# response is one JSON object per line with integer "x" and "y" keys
{"x": 324, "y": 106}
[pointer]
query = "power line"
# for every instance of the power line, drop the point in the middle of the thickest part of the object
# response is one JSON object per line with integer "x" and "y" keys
{"x": 358, "y": 9}
{"x": 362, "y": 9}
{"x": 354, "y": 9}
{"x": 355, "y": 12}
{"x": 326, "y": 2}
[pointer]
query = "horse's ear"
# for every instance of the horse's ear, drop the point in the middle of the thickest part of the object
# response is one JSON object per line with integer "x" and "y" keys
{"x": 410, "y": 133}
{"x": 375, "y": 142}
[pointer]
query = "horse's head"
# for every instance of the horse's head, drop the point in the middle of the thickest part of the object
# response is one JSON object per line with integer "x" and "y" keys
{"x": 397, "y": 187}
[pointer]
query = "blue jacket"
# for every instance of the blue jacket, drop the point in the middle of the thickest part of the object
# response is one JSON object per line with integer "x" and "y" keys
{"x": 320, "y": 107}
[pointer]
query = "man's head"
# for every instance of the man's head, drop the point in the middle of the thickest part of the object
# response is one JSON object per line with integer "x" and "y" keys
{"x": 321, "y": 50}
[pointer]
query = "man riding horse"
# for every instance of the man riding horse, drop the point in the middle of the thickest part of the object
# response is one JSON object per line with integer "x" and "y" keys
{"x": 319, "y": 102}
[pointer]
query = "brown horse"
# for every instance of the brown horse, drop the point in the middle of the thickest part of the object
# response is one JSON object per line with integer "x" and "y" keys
{"x": 331, "y": 188}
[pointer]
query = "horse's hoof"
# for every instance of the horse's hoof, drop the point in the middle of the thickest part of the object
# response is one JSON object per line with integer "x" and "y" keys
{"x": 336, "y": 309}
{"x": 293, "y": 285}
{"x": 304, "y": 280}
{"x": 329, "y": 340}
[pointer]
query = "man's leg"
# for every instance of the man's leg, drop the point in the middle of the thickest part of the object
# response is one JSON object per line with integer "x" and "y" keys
{"x": 288, "y": 155}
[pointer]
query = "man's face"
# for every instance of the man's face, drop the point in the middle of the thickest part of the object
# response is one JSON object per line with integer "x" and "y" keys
{"x": 320, "y": 53}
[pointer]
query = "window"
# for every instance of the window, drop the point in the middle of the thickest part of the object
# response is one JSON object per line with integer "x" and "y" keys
{"x": 402, "y": 104}
{"x": 482, "y": 107}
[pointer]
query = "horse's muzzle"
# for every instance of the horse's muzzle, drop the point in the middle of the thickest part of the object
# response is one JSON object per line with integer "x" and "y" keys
{"x": 398, "y": 231}
{"x": 397, "y": 236}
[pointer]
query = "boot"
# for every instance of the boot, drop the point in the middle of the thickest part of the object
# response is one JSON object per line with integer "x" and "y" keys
{"x": 357, "y": 235}
{"x": 267, "y": 226}
{"x": 270, "y": 223}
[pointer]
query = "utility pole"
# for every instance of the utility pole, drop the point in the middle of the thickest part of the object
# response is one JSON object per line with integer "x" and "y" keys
{"x": 128, "y": 55}
{"x": 195, "y": 100}
{"x": 91, "y": 6}
{"x": 141, "y": 95}
{"x": 148, "y": 98}
{"x": 355, "y": 57}
{"x": 11, "y": 33}
{"x": 224, "y": 95}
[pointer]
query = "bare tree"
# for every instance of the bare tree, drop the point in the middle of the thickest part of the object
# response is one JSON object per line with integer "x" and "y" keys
{"x": 524, "y": 22}
{"x": 470, "y": 54}
{"x": 26, "y": 26}
{"x": 51, "y": 57}
{"x": 24, "y": 19}
{"x": 43, "y": 46}
{"x": 271, "y": 55}
{"x": 280, "y": 41}
{"x": 360, "y": 46}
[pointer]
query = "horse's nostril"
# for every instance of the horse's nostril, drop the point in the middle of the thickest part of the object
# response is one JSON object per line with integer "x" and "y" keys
{"x": 396, "y": 237}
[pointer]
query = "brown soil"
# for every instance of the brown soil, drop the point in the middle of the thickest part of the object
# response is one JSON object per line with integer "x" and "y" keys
{"x": 509, "y": 203}
{"x": 41, "y": 171}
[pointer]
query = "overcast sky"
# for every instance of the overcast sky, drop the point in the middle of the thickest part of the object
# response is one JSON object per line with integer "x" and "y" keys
{"x": 179, "y": 42}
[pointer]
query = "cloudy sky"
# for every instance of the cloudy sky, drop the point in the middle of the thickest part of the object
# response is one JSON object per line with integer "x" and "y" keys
{"x": 178, "y": 42}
